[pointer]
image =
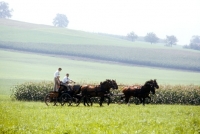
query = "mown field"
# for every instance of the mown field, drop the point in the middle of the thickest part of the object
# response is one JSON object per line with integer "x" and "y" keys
{"x": 35, "y": 117}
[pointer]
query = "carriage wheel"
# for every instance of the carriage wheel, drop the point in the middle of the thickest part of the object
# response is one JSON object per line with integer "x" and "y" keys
{"x": 66, "y": 99}
{"x": 74, "y": 100}
{"x": 49, "y": 100}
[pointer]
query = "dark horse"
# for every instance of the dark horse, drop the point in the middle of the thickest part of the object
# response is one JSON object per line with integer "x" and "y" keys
{"x": 102, "y": 91}
{"x": 141, "y": 92}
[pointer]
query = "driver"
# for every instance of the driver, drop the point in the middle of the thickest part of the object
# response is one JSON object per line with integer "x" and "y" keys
{"x": 56, "y": 79}
{"x": 67, "y": 82}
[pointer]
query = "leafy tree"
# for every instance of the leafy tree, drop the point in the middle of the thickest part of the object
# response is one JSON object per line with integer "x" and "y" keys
{"x": 132, "y": 36}
{"x": 195, "y": 39}
{"x": 4, "y": 10}
{"x": 195, "y": 42}
{"x": 60, "y": 20}
{"x": 151, "y": 37}
{"x": 171, "y": 40}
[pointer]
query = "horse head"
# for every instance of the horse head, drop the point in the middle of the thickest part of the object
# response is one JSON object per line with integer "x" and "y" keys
{"x": 108, "y": 84}
{"x": 150, "y": 85}
{"x": 155, "y": 84}
{"x": 114, "y": 83}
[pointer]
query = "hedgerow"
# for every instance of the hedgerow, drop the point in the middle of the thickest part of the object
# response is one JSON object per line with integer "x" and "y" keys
{"x": 31, "y": 91}
{"x": 166, "y": 94}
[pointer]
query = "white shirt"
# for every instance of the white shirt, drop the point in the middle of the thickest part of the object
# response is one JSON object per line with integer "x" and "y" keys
{"x": 66, "y": 79}
{"x": 56, "y": 74}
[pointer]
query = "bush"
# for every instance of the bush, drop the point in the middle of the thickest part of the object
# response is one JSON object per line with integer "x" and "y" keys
{"x": 31, "y": 91}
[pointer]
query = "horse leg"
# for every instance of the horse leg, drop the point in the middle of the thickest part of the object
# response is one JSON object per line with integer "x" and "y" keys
{"x": 108, "y": 99}
{"x": 127, "y": 99}
{"x": 149, "y": 99}
{"x": 79, "y": 98}
{"x": 84, "y": 100}
{"x": 101, "y": 101}
{"x": 91, "y": 103}
{"x": 122, "y": 99}
{"x": 143, "y": 101}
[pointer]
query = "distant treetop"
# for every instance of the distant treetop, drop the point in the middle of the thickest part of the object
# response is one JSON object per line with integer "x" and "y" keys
{"x": 4, "y": 10}
{"x": 60, "y": 20}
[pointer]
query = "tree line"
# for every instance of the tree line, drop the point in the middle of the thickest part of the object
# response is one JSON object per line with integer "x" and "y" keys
{"x": 61, "y": 20}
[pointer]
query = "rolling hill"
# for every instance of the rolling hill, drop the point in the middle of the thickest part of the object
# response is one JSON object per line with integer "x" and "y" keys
{"x": 63, "y": 42}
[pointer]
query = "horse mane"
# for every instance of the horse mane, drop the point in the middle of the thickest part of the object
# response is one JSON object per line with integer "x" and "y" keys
{"x": 107, "y": 80}
{"x": 148, "y": 82}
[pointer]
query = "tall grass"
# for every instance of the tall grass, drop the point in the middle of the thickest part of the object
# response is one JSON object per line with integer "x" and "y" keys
{"x": 166, "y": 94}
{"x": 35, "y": 117}
{"x": 178, "y": 94}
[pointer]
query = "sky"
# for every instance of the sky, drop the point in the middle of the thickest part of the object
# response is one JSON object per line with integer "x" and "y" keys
{"x": 180, "y": 18}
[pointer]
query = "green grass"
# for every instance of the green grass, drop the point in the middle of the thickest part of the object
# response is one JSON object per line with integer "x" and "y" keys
{"x": 14, "y": 31}
{"x": 19, "y": 67}
{"x": 35, "y": 117}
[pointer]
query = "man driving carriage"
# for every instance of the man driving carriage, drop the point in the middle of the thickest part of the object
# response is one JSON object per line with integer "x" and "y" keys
{"x": 56, "y": 79}
{"x": 67, "y": 82}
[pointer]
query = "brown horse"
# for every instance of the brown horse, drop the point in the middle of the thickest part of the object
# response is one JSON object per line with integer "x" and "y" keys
{"x": 141, "y": 92}
{"x": 102, "y": 91}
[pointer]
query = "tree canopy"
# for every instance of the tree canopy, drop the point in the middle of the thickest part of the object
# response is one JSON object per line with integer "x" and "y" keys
{"x": 195, "y": 39}
{"x": 132, "y": 36}
{"x": 171, "y": 40}
{"x": 195, "y": 42}
{"x": 5, "y": 12}
{"x": 151, "y": 37}
{"x": 60, "y": 20}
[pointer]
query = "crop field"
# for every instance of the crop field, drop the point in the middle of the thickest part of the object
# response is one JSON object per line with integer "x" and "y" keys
{"x": 35, "y": 117}
{"x": 166, "y": 58}
{"x": 22, "y": 67}
{"x": 65, "y": 42}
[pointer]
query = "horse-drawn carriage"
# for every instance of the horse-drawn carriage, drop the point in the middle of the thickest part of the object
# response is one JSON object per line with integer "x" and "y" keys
{"x": 102, "y": 91}
{"x": 77, "y": 92}
{"x": 63, "y": 96}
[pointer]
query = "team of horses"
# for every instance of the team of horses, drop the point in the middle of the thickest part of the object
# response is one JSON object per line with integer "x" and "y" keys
{"x": 102, "y": 91}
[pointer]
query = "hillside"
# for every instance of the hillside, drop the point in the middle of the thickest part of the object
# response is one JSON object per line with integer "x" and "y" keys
{"x": 65, "y": 42}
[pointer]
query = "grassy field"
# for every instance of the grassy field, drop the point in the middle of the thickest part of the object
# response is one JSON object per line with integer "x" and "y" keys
{"x": 35, "y": 117}
{"x": 15, "y": 31}
{"x": 62, "y": 41}
{"x": 18, "y": 67}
